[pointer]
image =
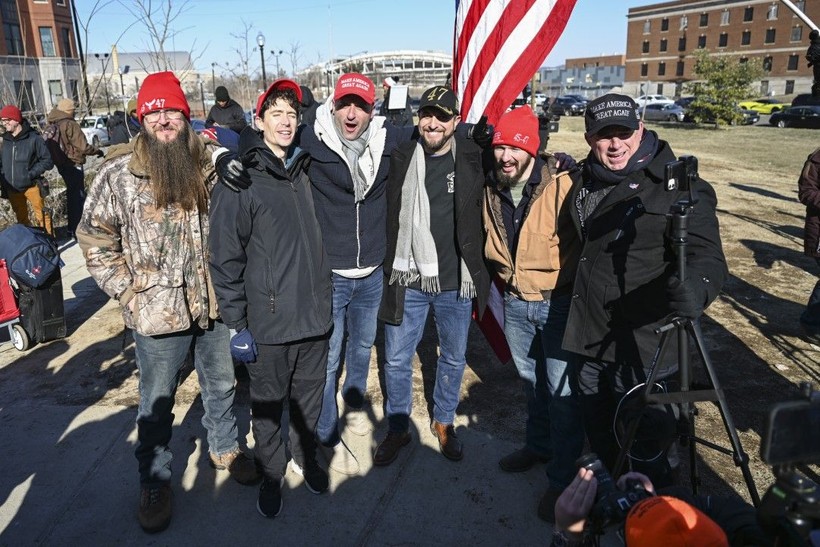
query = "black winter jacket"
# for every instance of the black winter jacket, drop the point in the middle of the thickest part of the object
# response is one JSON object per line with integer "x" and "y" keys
{"x": 469, "y": 195}
{"x": 354, "y": 234}
{"x": 619, "y": 296}
{"x": 268, "y": 265}
{"x": 118, "y": 129}
{"x": 24, "y": 158}
{"x": 231, "y": 116}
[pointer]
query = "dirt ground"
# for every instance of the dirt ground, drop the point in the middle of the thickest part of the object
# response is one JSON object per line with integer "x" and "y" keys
{"x": 752, "y": 331}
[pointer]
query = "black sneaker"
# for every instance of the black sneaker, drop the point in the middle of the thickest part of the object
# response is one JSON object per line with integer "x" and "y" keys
{"x": 269, "y": 503}
{"x": 315, "y": 477}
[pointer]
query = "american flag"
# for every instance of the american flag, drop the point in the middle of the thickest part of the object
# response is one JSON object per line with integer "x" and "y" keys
{"x": 499, "y": 45}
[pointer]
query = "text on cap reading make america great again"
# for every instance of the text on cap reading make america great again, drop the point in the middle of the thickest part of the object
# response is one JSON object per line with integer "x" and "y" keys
{"x": 614, "y": 104}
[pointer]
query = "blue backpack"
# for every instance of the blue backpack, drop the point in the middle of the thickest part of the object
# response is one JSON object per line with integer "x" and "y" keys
{"x": 30, "y": 253}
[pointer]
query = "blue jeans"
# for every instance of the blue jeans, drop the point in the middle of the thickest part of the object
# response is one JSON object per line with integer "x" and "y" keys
{"x": 160, "y": 359}
{"x": 74, "y": 178}
{"x": 534, "y": 331}
{"x": 452, "y": 315}
{"x": 355, "y": 311}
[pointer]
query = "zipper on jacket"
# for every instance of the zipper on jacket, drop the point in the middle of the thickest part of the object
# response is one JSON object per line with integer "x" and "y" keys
{"x": 358, "y": 239}
{"x": 269, "y": 283}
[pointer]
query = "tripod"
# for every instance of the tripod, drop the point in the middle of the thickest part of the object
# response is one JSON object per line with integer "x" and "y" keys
{"x": 684, "y": 328}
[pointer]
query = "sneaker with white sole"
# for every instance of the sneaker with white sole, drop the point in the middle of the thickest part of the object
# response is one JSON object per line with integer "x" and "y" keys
{"x": 316, "y": 480}
{"x": 341, "y": 459}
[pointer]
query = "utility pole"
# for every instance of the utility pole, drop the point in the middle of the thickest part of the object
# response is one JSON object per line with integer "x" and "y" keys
{"x": 75, "y": 20}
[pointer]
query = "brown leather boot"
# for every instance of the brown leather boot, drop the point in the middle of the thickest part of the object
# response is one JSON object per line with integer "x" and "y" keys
{"x": 155, "y": 508}
{"x": 388, "y": 449}
{"x": 447, "y": 441}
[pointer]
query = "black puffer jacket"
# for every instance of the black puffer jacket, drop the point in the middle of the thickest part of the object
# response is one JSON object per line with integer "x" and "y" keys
{"x": 24, "y": 158}
{"x": 808, "y": 187}
{"x": 117, "y": 128}
{"x": 231, "y": 116}
{"x": 268, "y": 265}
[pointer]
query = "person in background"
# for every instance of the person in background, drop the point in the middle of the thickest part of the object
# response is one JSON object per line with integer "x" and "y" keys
{"x": 23, "y": 160}
{"x": 144, "y": 235}
{"x": 75, "y": 148}
{"x": 808, "y": 187}
{"x": 309, "y": 106}
{"x": 399, "y": 117}
{"x": 226, "y": 112}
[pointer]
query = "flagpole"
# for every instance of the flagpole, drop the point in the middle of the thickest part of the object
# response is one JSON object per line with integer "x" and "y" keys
{"x": 799, "y": 13}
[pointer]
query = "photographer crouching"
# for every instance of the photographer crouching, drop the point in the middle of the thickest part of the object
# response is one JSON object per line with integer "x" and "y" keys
{"x": 626, "y": 285}
{"x": 673, "y": 517}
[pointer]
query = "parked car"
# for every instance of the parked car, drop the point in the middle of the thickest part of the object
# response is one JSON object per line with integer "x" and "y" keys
{"x": 805, "y": 99}
{"x": 764, "y": 105}
{"x": 579, "y": 98}
{"x": 748, "y": 117}
{"x": 95, "y": 129}
{"x": 685, "y": 101}
{"x": 653, "y": 99}
{"x": 797, "y": 116}
{"x": 567, "y": 106}
{"x": 660, "y": 112}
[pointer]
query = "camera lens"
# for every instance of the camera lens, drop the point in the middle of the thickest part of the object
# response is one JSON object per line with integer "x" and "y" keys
{"x": 605, "y": 483}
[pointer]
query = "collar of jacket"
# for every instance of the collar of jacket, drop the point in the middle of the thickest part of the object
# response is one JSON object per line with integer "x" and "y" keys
{"x": 252, "y": 145}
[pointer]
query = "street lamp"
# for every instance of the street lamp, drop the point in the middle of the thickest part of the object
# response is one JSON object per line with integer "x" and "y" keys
{"x": 103, "y": 58}
{"x": 201, "y": 92}
{"x": 276, "y": 54}
{"x": 260, "y": 41}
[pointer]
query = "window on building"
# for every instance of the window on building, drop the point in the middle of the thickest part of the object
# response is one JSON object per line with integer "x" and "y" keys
{"x": 647, "y": 26}
{"x": 47, "y": 42}
{"x": 14, "y": 40}
{"x": 682, "y": 43}
{"x": 701, "y": 41}
{"x": 746, "y": 38}
{"x": 55, "y": 90}
{"x": 659, "y": 89}
{"x": 684, "y": 22}
{"x": 771, "y": 13}
{"x": 769, "y": 36}
{"x": 661, "y": 69}
{"x": 764, "y": 87}
{"x": 767, "y": 63}
{"x": 797, "y": 33}
{"x": 723, "y": 39}
{"x": 704, "y": 20}
{"x": 801, "y": 5}
{"x": 724, "y": 17}
{"x": 679, "y": 68}
{"x": 663, "y": 44}
{"x": 794, "y": 62}
{"x": 24, "y": 90}
{"x": 60, "y": 2}
{"x": 74, "y": 90}
{"x": 748, "y": 14}
{"x": 644, "y": 69}
{"x": 664, "y": 24}
{"x": 645, "y": 47}
{"x": 789, "y": 87}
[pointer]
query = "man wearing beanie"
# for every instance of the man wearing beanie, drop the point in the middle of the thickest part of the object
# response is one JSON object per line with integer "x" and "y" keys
{"x": 144, "y": 234}
{"x": 433, "y": 261}
{"x": 625, "y": 285}
{"x": 69, "y": 158}
{"x": 226, "y": 112}
{"x": 23, "y": 160}
{"x": 532, "y": 246}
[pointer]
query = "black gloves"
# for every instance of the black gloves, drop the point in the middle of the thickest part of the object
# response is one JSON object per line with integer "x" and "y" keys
{"x": 565, "y": 161}
{"x": 685, "y": 298}
{"x": 100, "y": 154}
{"x": 230, "y": 170}
{"x": 482, "y": 133}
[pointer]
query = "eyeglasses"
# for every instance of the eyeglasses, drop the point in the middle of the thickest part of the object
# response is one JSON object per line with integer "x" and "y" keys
{"x": 153, "y": 117}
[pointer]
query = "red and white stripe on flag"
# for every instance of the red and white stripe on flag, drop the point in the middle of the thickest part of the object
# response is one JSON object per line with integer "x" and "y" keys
{"x": 499, "y": 45}
{"x": 492, "y": 322}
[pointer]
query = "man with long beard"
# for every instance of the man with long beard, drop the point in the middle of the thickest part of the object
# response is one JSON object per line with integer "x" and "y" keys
{"x": 532, "y": 246}
{"x": 434, "y": 238}
{"x": 144, "y": 235}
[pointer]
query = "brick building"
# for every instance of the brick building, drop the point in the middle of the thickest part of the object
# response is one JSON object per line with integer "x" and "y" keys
{"x": 38, "y": 55}
{"x": 662, "y": 37}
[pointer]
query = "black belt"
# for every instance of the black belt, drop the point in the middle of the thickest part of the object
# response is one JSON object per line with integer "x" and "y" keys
{"x": 559, "y": 291}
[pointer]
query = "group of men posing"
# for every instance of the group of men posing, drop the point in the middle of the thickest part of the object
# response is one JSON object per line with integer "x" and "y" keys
{"x": 321, "y": 232}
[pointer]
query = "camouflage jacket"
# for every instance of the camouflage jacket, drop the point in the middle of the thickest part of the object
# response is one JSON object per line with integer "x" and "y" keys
{"x": 158, "y": 258}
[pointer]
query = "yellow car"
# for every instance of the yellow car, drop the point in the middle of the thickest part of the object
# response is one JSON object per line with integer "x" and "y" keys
{"x": 764, "y": 106}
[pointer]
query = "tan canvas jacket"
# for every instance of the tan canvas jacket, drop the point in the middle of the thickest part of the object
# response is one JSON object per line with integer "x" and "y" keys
{"x": 158, "y": 258}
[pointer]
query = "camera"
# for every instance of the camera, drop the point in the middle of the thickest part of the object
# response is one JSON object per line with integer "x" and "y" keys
{"x": 790, "y": 509}
{"x": 679, "y": 174}
{"x": 611, "y": 504}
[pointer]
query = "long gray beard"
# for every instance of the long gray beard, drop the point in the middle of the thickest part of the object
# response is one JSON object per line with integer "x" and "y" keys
{"x": 174, "y": 172}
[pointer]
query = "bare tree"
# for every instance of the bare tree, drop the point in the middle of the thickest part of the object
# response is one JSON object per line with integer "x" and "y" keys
{"x": 160, "y": 19}
{"x": 295, "y": 56}
{"x": 243, "y": 51}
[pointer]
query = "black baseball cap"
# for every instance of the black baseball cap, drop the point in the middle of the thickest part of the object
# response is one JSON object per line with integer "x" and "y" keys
{"x": 611, "y": 109}
{"x": 441, "y": 98}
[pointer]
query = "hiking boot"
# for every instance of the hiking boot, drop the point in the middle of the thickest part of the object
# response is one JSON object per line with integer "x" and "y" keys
{"x": 388, "y": 449}
{"x": 155, "y": 508}
{"x": 315, "y": 477}
{"x": 357, "y": 421}
{"x": 340, "y": 458}
{"x": 239, "y": 465}
{"x": 448, "y": 442}
{"x": 520, "y": 460}
{"x": 269, "y": 502}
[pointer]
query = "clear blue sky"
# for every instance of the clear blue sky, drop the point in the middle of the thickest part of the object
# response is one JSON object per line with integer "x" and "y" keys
{"x": 340, "y": 27}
